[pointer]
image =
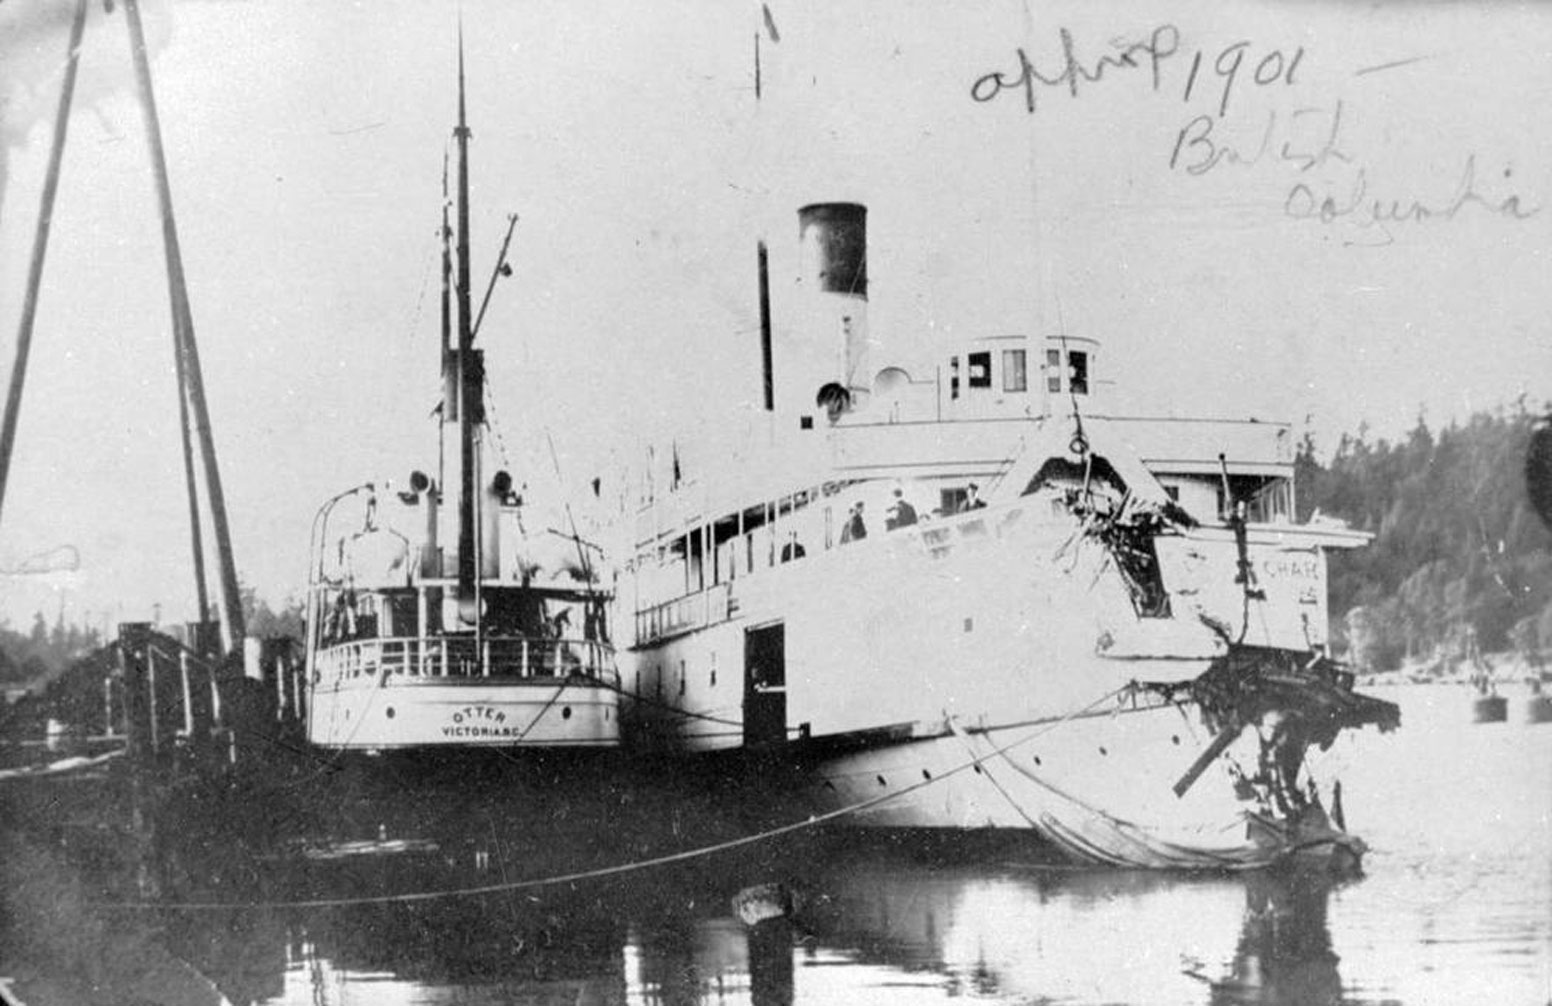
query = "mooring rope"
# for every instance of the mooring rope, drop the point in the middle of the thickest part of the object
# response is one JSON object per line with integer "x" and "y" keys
{"x": 619, "y": 869}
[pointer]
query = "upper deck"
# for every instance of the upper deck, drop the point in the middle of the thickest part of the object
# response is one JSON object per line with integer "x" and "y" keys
{"x": 968, "y": 423}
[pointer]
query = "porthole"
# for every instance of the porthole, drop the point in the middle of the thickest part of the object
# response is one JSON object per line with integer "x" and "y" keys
{"x": 1103, "y": 752}
{"x": 390, "y": 712}
{"x": 565, "y": 712}
{"x": 881, "y": 781}
{"x": 978, "y": 769}
{"x": 1175, "y": 739}
{"x": 926, "y": 775}
{"x": 1037, "y": 760}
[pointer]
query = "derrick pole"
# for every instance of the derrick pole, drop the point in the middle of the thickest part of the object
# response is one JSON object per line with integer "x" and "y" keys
{"x": 13, "y": 401}
{"x": 191, "y": 380}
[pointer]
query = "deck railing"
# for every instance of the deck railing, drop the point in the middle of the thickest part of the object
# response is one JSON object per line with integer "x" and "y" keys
{"x": 457, "y": 657}
{"x": 681, "y": 614}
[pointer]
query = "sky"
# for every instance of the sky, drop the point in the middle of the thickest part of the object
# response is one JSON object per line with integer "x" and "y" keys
{"x": 1343, "y": 216}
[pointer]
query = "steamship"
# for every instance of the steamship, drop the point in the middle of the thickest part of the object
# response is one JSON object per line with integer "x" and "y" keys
{"x": 979, "y": 595}
{"x": 500, "y": 642}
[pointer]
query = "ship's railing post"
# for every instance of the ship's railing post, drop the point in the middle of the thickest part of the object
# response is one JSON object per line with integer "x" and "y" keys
{"x": 107, "y": 705}
{"x": 524, "y": 668}
{"x": 152, "y": 699}
{"x": 199, "y": 696}
{"x": 188, "y": 694}
{"x": 217, "y": 718}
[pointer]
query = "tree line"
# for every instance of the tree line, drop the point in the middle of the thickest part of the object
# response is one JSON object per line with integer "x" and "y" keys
{"x": 1459, "y": 562}
{"x": 45, "y": 650}
{"x": 27, "y": 656}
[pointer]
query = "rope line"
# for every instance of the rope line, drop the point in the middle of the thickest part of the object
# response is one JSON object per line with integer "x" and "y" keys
{"x": 618, "y": 869}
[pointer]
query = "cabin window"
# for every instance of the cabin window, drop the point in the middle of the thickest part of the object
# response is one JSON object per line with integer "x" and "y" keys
{"x": 1078, "y": 368}
{"x": 681, "y": 677}
{"x": 951, "y": 501}
{"x": 953, "y": 377}
{"x": 1014, "y": 377}
{"x": 1053, "y": 370}
{"x": 979, "y": 370}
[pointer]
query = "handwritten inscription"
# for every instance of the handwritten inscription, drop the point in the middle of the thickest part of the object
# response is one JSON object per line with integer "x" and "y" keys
{"x": 1150, "y": 50}
{"x": 1327, "y": 181}
{"x": 1234, "y": 63}
{"x": 1271, "y": 68}
{"x": 1362, "y": 210}
{"x": 1306, "y": 139}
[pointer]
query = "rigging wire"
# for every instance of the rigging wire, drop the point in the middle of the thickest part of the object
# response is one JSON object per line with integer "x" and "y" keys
{"x": 619, "y": 869}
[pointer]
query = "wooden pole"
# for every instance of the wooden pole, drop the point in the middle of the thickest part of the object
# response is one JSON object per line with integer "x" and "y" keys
{"x": 183, "y": 325}
{"x": 191, "y": 488}
{"x": 13, "y": 401}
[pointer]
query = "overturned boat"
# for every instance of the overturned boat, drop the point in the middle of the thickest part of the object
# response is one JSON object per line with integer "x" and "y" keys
{"x": 499, "y": 641}
{"x": 974, "y": 595}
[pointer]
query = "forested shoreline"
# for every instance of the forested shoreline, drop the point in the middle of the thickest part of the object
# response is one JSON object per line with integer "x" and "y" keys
{"x": 1460, "y": 561}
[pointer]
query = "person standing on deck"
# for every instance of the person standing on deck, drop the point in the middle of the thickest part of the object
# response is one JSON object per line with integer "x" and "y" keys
{"x": 900, "y": 513}
{"x": 854, "y": 529}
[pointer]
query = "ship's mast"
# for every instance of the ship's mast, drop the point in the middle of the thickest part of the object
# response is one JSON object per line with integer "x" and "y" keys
{"x": 468, "y": 379}
{"x": 449, "y": 367}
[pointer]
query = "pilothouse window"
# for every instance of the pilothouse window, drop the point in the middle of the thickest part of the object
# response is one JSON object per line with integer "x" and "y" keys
{"x": 979, "y": 370}
{"x": 1053, "y": 370}
{"x": 1013, "y": 376}
{"x": 1078, "y": 369}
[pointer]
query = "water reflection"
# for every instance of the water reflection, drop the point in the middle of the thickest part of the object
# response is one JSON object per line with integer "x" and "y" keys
{"x": 867, "y": 924}
{"x": 1456, "y": 901}
{"x": 1015, "y": 932}
{"x": 1284, "y": 953}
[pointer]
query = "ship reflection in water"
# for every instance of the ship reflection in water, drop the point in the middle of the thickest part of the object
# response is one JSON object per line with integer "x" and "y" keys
{"x": 1454, "y": 907}
{"x": 904, "y": 928}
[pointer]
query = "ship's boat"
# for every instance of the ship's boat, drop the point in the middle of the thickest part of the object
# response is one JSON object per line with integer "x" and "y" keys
{"x": 975, "y": 595}
{"x": 500, "y": 641}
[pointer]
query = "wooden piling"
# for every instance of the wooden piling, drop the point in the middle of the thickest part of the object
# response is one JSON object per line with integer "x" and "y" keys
{"x": 131, "y": 653}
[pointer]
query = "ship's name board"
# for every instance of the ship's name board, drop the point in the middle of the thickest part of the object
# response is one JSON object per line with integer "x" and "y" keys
{"x": 479, "y": 721}
{"x": 1290, "y": 566}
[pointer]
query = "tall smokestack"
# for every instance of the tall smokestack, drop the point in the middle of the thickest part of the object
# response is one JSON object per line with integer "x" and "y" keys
{"x": 834, "y": 238}
{"x": 833, "y": 249}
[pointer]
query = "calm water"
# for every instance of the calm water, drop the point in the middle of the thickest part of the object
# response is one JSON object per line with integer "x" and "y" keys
{"x": 1455, "y": 907}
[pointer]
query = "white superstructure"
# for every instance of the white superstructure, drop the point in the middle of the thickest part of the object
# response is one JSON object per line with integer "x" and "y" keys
{"x": 981, "y": 596}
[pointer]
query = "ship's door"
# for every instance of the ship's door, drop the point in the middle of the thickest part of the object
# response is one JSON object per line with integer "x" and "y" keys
{"x": 765, "y": 685}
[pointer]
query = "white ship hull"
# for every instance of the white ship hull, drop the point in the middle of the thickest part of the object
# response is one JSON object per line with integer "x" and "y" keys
{"x": 370, "y": 715}
{"x": 1099, "y": 787}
